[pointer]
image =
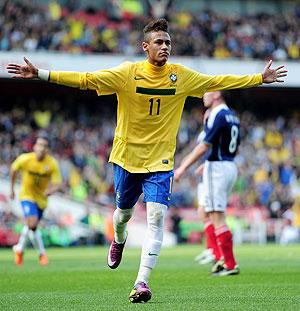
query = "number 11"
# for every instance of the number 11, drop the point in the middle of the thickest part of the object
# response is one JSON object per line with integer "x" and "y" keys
{"x": 151, "y": 106}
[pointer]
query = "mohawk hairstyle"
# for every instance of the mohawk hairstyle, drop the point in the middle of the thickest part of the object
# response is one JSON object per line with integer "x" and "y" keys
{"x": 43, "y": 136}
{"x": 155, "y": 26}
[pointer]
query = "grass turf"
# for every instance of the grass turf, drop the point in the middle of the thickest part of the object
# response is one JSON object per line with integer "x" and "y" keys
{"x": 78, "y": 279}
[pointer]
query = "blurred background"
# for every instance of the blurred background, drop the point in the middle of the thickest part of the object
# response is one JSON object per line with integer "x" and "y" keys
{"x": 211, "y": 36}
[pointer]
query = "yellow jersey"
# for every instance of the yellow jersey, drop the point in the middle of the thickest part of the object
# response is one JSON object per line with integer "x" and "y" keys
{"x": 150, "y": 103}
{"x": 36, "y": 176}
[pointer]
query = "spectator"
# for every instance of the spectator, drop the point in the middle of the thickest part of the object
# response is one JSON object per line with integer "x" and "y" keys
{"x": 70, "y": 28}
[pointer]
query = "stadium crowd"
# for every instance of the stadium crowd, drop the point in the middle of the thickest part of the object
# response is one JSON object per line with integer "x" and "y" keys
{"x": 268, "y": 161}
{"x": 269, "y": 157}
{"x": 31, "y": 27}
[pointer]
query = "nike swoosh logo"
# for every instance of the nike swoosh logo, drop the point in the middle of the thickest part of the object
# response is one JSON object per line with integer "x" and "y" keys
{"x": 138, "y": 78}
{"x": 151, "y": 254}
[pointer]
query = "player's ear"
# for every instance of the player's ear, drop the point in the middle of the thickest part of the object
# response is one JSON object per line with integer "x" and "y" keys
{"x": 145, "y": 46}
{"x": 217, "y": 95}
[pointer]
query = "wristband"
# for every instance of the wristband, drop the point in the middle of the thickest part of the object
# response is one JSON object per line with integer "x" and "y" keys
{"x": 43, "y": 74}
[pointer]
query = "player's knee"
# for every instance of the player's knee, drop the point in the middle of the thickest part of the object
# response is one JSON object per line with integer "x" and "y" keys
{"x": 123, "y": 215}
{"x": 156, "y": 214}
{"x": 32, "y": 223}
{"x": 32, "y": 227}
{"x": 156, "y": 217}
{"x": 217, "y": 218}
{"x": 125, "y": 218}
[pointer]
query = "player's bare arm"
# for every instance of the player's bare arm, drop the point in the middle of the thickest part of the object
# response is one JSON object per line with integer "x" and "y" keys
{"x": 52, "y": 189}
{"x": 273, "y": 75}
{"x": 195, "y": 155}
{"x": 13, "y": 176}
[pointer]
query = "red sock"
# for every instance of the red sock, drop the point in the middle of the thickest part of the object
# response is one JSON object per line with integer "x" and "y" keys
{"x": 224, "y": 238}
{"x": 211, "y": 240}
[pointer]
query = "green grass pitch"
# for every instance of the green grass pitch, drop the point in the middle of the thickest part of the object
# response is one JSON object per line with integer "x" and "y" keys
{"x": 78, "y": 279}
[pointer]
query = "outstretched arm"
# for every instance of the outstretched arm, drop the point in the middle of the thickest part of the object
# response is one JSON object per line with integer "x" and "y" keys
{"x": 29, "y": 71}
{"x": 195, "y": 155}
{"x": 227, "y": 82}
{"x": 67, "y": 78}
{"x": 106, "y": 81}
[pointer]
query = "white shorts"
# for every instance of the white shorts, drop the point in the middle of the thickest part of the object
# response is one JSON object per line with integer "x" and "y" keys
{"x": 218, "y": 179}
{"x": 200, "y": 194}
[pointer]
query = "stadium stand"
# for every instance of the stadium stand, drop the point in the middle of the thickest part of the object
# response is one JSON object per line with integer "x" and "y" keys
{"x": 268, "y": 160}
{"x": 28, "y": 26}
{"x": 81, "y": 129}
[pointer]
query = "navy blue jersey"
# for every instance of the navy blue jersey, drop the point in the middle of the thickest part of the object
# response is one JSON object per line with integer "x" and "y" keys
{"x": 222, "y": 132}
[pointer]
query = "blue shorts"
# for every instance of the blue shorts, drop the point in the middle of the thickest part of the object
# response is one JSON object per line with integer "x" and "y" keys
{"x": 31, "y": 209}
{"x": 156, "y": 186}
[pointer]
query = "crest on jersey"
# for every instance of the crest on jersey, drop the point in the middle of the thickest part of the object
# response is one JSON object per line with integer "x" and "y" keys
{"x": 46, "y": 167}
{"x": 173, "y": 77}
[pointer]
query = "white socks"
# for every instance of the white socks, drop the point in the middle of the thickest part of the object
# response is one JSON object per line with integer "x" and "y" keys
{"x": 23, "y": 239}
{"x": 39, "y": 242}
{"x": 153, "y": 240}
{"x": 36, "y": 237}
{"x": 120, "y": 219}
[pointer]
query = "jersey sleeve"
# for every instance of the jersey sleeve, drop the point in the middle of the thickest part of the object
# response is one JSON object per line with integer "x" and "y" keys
{"x": 56, "y": 176}
{"x": 106, "y": 81}
{"x": 19, "y": 163}
{"x": 196, "y": 84}
{"x": 212, "y": 132}
{"x": 201, "y": 137}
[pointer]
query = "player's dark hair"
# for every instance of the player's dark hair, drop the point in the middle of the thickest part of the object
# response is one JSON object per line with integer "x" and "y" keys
{"x": 155, "y": 26}
{"x": 224, "y": 94}
{"x": 43, "y": 136}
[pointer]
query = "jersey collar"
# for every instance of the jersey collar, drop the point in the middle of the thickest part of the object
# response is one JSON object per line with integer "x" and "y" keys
{"x": 155, "y": 69}
{"x": 219, "y": 108}
{"x": 214, "y": 113}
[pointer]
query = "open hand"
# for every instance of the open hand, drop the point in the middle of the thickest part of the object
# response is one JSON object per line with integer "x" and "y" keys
{"x": 178, "y": 173}
{"x": 199, "y": 171}
{"x": 27, "y": 71}
{"x": 273, "y": 75}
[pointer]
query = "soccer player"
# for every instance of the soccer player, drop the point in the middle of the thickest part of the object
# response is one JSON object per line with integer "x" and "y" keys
{"x": 212, "y": 252}
{"x": 222, "y": 138}
{"x": 151, "y": 96}
{"x": 40, "y": 178}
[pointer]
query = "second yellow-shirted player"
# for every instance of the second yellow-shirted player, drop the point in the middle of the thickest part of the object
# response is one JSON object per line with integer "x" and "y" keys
{"x": 40, "y": 178}
{"x": 151, "y": 96}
